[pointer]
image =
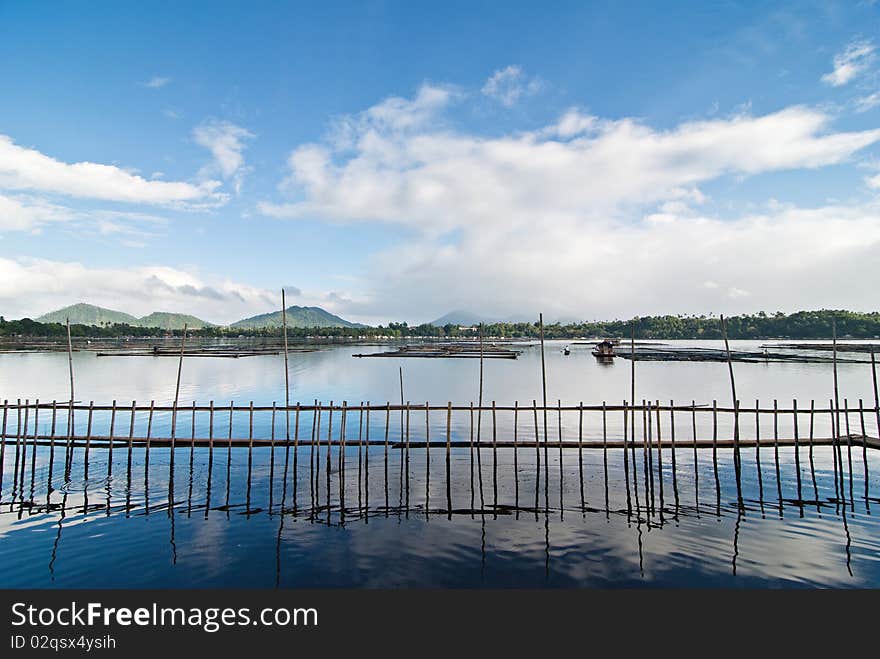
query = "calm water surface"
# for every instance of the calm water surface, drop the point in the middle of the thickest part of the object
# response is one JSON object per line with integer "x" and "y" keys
{"x": 398, "y": 519}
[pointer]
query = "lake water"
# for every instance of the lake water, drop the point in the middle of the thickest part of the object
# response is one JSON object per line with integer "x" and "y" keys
{"x": 397, "y": 518}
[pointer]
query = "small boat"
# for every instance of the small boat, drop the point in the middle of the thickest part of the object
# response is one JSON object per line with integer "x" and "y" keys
{"x": 566, "y": 350}
{"x": 604, "y": 350}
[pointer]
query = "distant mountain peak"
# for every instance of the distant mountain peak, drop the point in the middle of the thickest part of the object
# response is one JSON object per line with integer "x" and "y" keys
{"x": 296, "y": 317}
{"x": 82, "y": 313}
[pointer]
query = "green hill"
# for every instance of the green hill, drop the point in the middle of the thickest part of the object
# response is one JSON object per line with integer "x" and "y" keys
{"x": 88, "y": 314}
{"x": 172, "y": 321}
{"x": 296, "y": 317}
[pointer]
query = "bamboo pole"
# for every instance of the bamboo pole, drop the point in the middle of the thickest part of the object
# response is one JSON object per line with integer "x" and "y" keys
{"x": 516, "y": 456}
{"x": 177, "y": 393}
{"x": 604, "y": 456}
{"x": 272, "y": 459}
{"x": 360, "y": 451}
{"x": 715, "y": 453}
{"x": 848, "y": 452}
{"x": 71, "y": 429}
{"x": 561, "y": 470}
{"x": 3, "y": 445}
{"x": 109, "y": 451}
{"x": 341, "y": 476}
{"x": 387, "y": 424}
{"x": 864, "y": 451}
{"x": 647, "y": 459}
{"x": 625, "y": 460}
{"x": 537, "y": 458}
{"x": 296, "y": 460}
{"x": 34, "y": 448}
{"x": 428, "y": 462}
{"x": 836, "y": 414}
{"x": 286, "y": 370}
{"x": 659, "y": 457}
{"x": 494, "y": 463}
{"x": 812, "y": 464}
{"x": 544, "y": 398}
{"x": 581, "y": 454}
{"x": 210, "y": 457}
{"x": 876, "y": 391}
{"x": 480, "y": 421}
{"x": 735, "y": 400}
{"x": 448, "y": 460}
{"x": 776, "y": 453}
{"x": 797, "y": 457}
{"x": 674, "y": 465}
{"x": 17, "y": 451}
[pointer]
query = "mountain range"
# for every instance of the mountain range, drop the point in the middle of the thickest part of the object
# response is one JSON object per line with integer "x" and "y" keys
{"x": 296, "y": 317}
{"x": 89, "y": 314}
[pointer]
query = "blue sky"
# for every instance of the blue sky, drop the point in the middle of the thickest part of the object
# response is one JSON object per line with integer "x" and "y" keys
{"x": 394, "y": 161}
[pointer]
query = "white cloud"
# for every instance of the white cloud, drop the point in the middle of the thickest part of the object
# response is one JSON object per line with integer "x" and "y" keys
{"x": 865, "y": 103}
{"x": 587, "y": 216}
{"x": 28, "y": 169}
{"x": 873, "y": 182}
{"x": 439, "y": 180}
{"x": 608, "y": 269}
{"x": 26, "y": 213}
{"x": 509, "y": 84}
{"x": 227, "y": 143}
{"x": 156, "y": 82}
{"x": 855, "y": 58}
{"x": 35, "y": 286}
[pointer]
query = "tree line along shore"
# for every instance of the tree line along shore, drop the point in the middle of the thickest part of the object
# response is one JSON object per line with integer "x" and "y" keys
{"x": 800, "y": 325}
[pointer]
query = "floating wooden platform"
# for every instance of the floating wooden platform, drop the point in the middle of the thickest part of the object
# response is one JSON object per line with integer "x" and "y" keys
{"x": 448, "y": 350}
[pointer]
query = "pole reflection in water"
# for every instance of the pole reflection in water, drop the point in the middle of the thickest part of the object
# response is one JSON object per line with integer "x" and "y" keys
{"x": 823, "y": 544}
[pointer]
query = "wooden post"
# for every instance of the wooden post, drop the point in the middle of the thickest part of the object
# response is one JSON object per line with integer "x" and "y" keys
{"x": 341, "y": 470}
{"x": 360, "y": 449}
{"x": 848, "y": 451}
{"x": 836, "y": 416}
{"x": 286, "y": 370}
{"x": 581, "y": 453}
{"x": 812, "y": 464}
{"x": 797, "y": 456}
{"x": 516, "y": 456}
{"x": 210, "y": 456}
{"x": 544, "y": 394}
{"x": 672, "y": 442}
{"x": 625, "y": 459}
{"x": 427, "y": 462}
{"x": 471, "y": 428}
{"x": 296, "y": 460}
{"x": 177, "y": 395}
{"x": 34, "y": 448}
{"x": 696, "y": 456}
{"x": 659, "y": 457}
{"x": 537, "y": 458}
{"x": 776, "y": 452}
{"x": 715, "y": 452}
{"x": 864, "y": 451}
{"x": 604, "y": 455}
{"x": 367, "y": 469}
{"x": 448, "y": 460}
{"x": 387, "y": 424}
{"x": 647, "y": 458}
{"x": 494, "y": 463}
{"x": 3, "y": 445}
{"x": 734, "y": 399}
{"x": 561, "y": 470}
{"x": 109, "y": 447}
{"x": 71, "y": 426}
{"x": 876, "y": 391}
